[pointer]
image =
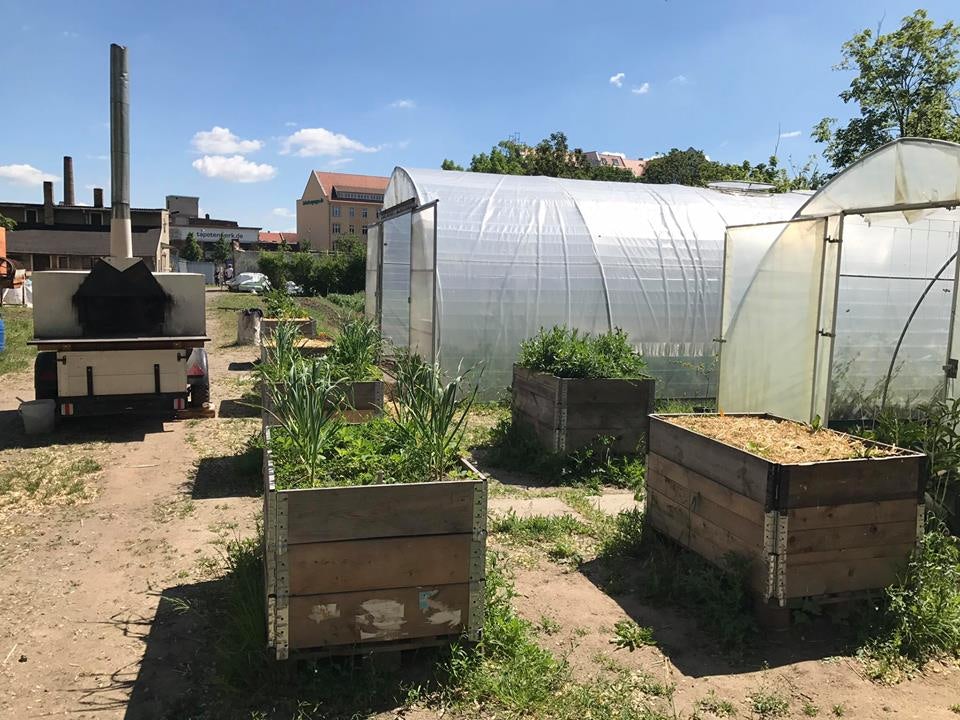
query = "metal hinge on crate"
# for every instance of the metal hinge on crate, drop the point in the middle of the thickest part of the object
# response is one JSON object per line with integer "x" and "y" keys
{"x": 782, "y": 559}
{"x": 282, "y": 602}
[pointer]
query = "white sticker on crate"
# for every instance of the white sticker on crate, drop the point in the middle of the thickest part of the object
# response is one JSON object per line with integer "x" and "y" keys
{"x": 324, "y": 612}
{"x": 386, "y": 617}
{"x": 436, "y": 612}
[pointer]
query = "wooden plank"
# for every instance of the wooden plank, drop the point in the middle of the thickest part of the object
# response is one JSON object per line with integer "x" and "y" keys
{"x": 697, "y": 483}
{"x": 536, "y": 383}
{"x": 746, "y": 531}
{"x": 851, "y": 536}
{"x": 896, "y": 550}
{"x": 374, "y": 511}
{"x": 545, "y": 432}
{"x": 731, "y": 467}
{"x": 376, "y": 616}
{"x": 847, "y": 576}
{"x": 698, "y": 536}
{"x": 353, "y": 565}
{"x": 811, "y": 518}
{"x": 637, "y": 394}
{"x": 367, "y": 395}
{"x": 536, "y": 407}
{"x": 852, "y": 481}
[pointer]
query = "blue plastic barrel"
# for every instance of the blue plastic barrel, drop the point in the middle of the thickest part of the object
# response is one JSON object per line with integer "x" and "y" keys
{"x": 3, "y": 335}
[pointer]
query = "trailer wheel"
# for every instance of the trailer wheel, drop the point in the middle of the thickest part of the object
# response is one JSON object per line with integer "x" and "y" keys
{"x": 199, "y": 394}
{"x": 45, "y": 376}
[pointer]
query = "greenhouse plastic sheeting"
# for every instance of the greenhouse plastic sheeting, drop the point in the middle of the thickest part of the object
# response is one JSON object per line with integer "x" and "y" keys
{"x": 887, "y": 264}
{"x": 422, "y": 299}
{"x": 767, "y": 363}
{"x": 395, "y": 281}
{"x": 517, "y": 253}
{"x": 910, "y": 171}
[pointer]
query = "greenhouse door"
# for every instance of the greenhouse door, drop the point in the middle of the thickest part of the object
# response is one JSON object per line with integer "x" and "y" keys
{"x": 777, "y": 319}
{"x": 371, "y": 309}
{"x": 395, "y": 279}
{"x": 423, "y": 296}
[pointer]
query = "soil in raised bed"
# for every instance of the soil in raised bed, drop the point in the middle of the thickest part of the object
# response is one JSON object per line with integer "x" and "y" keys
{"x": 782, "y": 441}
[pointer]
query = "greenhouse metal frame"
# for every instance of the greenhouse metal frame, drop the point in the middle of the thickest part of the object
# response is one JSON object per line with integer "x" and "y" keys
{"x": 830, "y": 315}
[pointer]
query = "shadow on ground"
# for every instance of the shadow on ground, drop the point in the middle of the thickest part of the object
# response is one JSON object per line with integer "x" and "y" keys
{"x": 73, "y": 431}
{"x": 196, "y": 665}
{"x": 689, "y": 634}
{"x": 228, "y": 475}
{"x": 242, "y": 366}
{"x": 243, "y": 408}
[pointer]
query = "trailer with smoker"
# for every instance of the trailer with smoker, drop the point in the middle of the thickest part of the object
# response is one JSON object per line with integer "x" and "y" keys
{"x": 120, "y": 338}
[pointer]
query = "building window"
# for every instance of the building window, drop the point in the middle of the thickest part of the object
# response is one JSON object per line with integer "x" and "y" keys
{"x": 353, "y": 212}
{"x": 336, "y": 211}
{"x": 365, "y": 229}
{"x": 96, "y": 218}
{"x": 363, "y": 213}
{"x": 352, "y": 230}
{"x": 335, "y": 228}
{"x": 31, "y": 216}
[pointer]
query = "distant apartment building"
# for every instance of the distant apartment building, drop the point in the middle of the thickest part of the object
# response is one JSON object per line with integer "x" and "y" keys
{"x": 72, "y": 236}
{"x": 185, "y": 219}
{"x": 335, "y": 204}
{"x": 619, "y": 160}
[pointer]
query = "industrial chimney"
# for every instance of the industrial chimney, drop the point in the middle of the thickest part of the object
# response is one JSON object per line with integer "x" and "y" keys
{"x": 47, "y": 202}
{"x": 69, "y": 198}
{"x": 121, "y": 238}
{"x": 98, "y": 197}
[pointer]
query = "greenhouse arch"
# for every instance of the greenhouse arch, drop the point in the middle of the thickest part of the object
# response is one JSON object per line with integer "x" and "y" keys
{"x": 849, "y": 307}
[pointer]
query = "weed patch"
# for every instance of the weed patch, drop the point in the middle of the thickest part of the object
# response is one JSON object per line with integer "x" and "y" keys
{"x": 768, "y": 704}
{"x": 627, "y": 635}
{"x": 47, "y": 477}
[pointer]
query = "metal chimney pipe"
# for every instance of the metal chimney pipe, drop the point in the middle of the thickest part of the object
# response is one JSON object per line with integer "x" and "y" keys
{"x": 121, "y": 238}
{"x": 68, "y": 197}
{"x": 98, "y": 197}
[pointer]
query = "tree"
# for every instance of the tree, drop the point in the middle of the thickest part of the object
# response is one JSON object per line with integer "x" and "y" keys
{"x": 680, "y": 167}
{"x": 191, "y": 250}
{"x": 7, "y": 223}
{"x": 450, "y": 165}
{"x": 906, "y": 86}
{"x": 221, "y": 251}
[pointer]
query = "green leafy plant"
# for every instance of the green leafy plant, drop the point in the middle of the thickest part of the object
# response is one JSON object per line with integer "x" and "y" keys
{"x": 715, "y": 705}
{"x": 306, "y": 411}
{"x": 356, "y": 353}
{"x": 354, "y": 303}
{"x": 431, "y": 414}
{"x": 919, "y": 617}
{"x": 630, "y": 636}
{"x": 810, "y": 710}
{"x": 768, "y": 704}
{"x": 572, "y": 354}
{"x": 281, "y": 305}
{"x": 281, "y": 354}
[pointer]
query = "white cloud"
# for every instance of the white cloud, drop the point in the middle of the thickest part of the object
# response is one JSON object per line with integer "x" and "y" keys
{"x": 617, "y": 79}
{"x": 679, "y": 80}
{"x": 290, "y": 123}
{"x": 235, "y": 168}
{"x": 339, "y": 161}
{"x": 25, "y": 175}
{"x": 98, "y": 157}
{"x": 70, "y": 34}
{"x": 403, "y": 104}
{"x": 283, "y": 212}
{"x": 791, "y": 134}
{"x": 309, "y": 142}
{"x": 641, "y": 90}
{"x": 220, "y": 141}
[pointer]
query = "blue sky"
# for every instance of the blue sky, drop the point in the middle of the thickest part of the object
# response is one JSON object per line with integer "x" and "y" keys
{"x": 237, "y": 102}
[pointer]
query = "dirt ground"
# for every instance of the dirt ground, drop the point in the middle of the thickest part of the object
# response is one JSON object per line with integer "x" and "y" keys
{"x": 88, "y": 621}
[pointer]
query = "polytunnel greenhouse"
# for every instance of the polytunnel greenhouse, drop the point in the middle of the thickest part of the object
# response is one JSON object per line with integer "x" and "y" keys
{"x": 464, "y": 266}
{"x": 849, "y": 307}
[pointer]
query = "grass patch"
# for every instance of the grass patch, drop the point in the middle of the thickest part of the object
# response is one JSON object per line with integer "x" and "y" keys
{"x": 627, "y": 635}
{"x": 537, "y": 529}
{"x": 353, "y": 303}
{"x": 716, "y": 706}
{"x": 47, "y": 477}
{"x": 514, "y": 447}
{"x": 18, "y": 323}
{"x": 918, "y": 619}
{"x": 809, "y": 709}
{"x": 768, "y": 704}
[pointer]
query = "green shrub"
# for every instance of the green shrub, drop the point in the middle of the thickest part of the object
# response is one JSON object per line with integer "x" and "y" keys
{"x": 354, "y": 303}
{"x": 571, "y": 354}
{"x": 919, "y": 617}
{"x": 281, "y": 305}
{"x": 341, "y": 272}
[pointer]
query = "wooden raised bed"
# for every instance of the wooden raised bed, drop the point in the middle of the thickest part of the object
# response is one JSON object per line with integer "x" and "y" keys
{"x": 569, "y": 413}
{"x": 306, "y": 325}
{"x": 373, "y": 567}
{"x": 817, "y": 529}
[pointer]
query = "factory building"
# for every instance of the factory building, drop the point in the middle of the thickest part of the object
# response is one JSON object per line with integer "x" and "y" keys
{"x": 71, "y": 235}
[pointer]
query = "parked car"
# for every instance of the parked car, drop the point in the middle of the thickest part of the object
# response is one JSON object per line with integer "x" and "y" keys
{"x": 293, "y": 288}
{"x": 249, "y": 282}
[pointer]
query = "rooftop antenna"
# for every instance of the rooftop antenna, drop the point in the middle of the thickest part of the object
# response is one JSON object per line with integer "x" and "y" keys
{"x": 121, "y": 238}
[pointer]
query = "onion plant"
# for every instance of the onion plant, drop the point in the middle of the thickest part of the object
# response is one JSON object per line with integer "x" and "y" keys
{"x": 280, "y": 354}
{"x": 356, "y": 353}
{"x": 306, "y": 409}
{"x": 431, "y": 415}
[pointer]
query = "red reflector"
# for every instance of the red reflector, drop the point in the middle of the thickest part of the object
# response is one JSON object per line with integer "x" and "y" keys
{"x": 195, "y": 371}
{"x": 66, "y": 409}
{"x": 179, "y": 404}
